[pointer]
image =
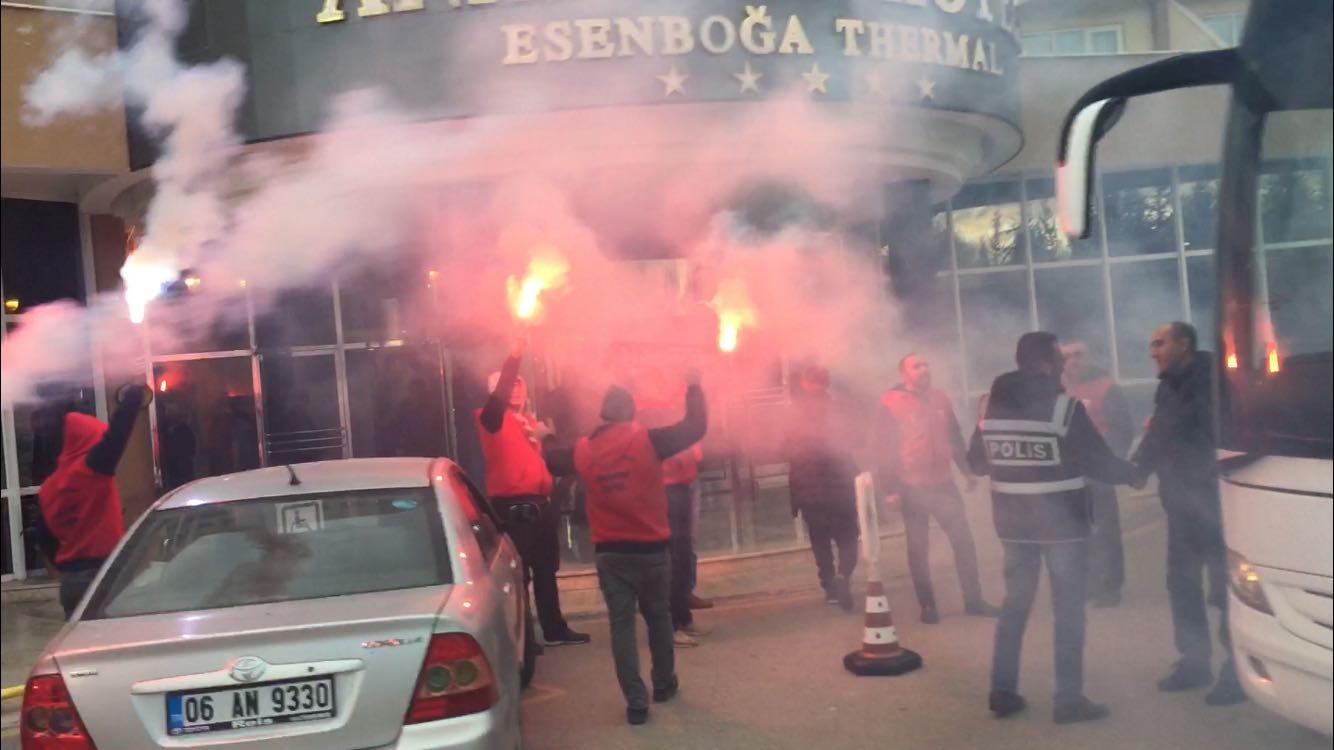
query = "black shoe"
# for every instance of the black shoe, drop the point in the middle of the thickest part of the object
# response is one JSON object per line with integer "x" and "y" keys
{"x": 843, "y": 590}
{"x": 662, "y": 695}
{"x": 1227, "y": 691}
{"x": 636, "y": 716}
{"x": 930, "y": 616}
{"x": 1186, "y": 675}
{"x": 569, "y": 638}
{"x": 1080, "y": 710}
{"x": 830, "y": 594}
{"x": 1004, "y": 703}
{"x": 1106, "y": 600}
{"x": 982, "y": 609}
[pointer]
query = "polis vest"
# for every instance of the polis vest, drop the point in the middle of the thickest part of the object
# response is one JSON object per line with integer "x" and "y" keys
{"x": 1038, "y": 493}
{"x": 622, "y": 475}
{"x": 923, "y": 436}
{"x": 683, "y": 468}
{"x": 1092, "y": 393}
{"x": 514, "y": 463}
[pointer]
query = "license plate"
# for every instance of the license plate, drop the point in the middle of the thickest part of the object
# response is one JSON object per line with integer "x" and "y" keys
{"x": 259, "y": 705}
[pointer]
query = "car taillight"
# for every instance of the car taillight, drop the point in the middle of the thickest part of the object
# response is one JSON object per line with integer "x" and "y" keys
{"x": 50, "y": 721}
{"x": 455, "y": 680}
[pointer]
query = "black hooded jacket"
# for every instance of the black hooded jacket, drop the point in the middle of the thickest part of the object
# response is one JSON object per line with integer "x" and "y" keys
{"x": 1180, "y": 445}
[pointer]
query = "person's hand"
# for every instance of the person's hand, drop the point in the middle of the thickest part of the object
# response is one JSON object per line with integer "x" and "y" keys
{"x": 1141, "y": 479}
{"x": 518, "y": 348}
{"x": 543, "y": 430}
{"x": 145, "y": 394}
{"x": 892, "y": 502}
{"x": 693, "y": 376}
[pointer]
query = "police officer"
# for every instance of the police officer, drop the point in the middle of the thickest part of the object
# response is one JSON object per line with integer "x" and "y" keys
{"x": 1037, "y": 443}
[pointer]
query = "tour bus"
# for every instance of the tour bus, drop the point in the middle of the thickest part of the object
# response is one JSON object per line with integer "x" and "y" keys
{"x": 1273, "y": 334}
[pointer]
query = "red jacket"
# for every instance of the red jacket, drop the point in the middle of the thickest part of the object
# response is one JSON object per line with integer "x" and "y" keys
{"x": 919, "y": 438}
{"x": 81, "y": 507}
{"x": 514, "y": 465}
{"x": 683, "y": 468}
{"x": 622, "y": 475}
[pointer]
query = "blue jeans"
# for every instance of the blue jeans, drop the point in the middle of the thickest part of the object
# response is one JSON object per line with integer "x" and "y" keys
{"x": 1067, "y": 567}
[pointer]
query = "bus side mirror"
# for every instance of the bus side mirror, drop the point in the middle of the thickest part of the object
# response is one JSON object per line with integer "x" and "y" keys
{"x": 1083, "y": 129}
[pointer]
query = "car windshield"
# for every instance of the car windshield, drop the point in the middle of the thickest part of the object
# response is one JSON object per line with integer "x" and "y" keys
{"x": 276, "y": 549}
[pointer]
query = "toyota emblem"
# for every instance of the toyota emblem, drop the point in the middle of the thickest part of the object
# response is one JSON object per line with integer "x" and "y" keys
{"x": 247, "y": 669}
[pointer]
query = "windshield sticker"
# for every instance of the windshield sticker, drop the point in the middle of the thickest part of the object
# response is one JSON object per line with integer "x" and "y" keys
{"x": 404, "y": 504}
{"x": 299, "y": 518}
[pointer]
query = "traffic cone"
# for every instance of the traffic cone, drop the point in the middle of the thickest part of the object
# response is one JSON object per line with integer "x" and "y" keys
{"x": 881, "y": 653}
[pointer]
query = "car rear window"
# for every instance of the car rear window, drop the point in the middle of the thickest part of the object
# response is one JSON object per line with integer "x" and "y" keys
{"x": 276, "y": 549}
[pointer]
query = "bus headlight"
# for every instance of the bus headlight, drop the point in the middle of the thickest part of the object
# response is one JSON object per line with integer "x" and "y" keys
{"x": 1244, "y": 580}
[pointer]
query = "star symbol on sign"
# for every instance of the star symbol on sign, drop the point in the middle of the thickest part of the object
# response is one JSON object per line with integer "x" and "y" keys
{"x": 816, "y": 79}
{"x": 749, "y": 79}
{"x": 875, "y": 84}
{"x": 926, "y": 88}
{"x": 673, "y": 82}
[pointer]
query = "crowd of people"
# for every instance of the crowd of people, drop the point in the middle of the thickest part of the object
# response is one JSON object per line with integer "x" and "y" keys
{"x": 1051, "y": 436}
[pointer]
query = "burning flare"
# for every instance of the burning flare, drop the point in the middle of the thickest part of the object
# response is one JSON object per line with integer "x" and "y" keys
{"x": 144, "y": 282}
{"x": 732, "y": 305}
{"x": 546, "y": 271}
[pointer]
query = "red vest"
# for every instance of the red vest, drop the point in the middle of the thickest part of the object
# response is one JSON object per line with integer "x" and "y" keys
{"x": 81, "y": 507}
{"x": 1093, "y": 394}
{"x": 683, "y": 468}
{"x": 622, "y": 475}
{"x": 514, "y": 463}
{"x": 923, "y": 429}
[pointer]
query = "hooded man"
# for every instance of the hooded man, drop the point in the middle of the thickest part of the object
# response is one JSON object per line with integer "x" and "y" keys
{"x": 81, "y": 520}
{"x": 519, "y": 485}
{"x": 620, "y": 466}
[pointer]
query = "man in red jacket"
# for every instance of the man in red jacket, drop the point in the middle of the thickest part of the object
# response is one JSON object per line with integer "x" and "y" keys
{"x": 917, "y": 441}
{"x": 81, "y": 520}
{"x": 519, "y": 485}
{"x": 620, "y": 465}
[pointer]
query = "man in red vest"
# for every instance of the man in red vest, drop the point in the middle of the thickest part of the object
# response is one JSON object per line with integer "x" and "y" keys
{"x": 1110, "y": 412}
{"x": 620, "y": 465}
{"x": 519, "y": 486}
{"x": 917, "y": 441}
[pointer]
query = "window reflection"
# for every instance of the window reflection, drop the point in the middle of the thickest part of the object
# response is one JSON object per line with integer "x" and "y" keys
{"x": 988, "y": 225}
{"x": 1295, "y": 201}
{"x": 205, "y": 412}
{"x": 995, "y": 315}
{"x": 1139, "y": 212}
{"x": 1199, "y": 206}
{"x": 1049, "y": 243}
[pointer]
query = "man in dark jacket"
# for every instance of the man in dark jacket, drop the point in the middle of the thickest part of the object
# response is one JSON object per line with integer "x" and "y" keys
{"x": 1039, "y": 446}
{"x": 1107, "y": 408}
{"x": 620, "y": 466}
{"x": 821, "y": 479}
{"x": 81, "y": 520}
{"x": 1180, "y": 447}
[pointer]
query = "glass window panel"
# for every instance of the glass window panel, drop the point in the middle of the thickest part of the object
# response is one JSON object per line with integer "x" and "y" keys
{"x": 7, "y": 563}
{"x": 1199, "y": 206}
{"x": 1202, "y": 284}
{"x": 1037, "y": 44}
{"x": 385, "y": 304}
{"x": 987, "y": 225}
{"x": 175, "y": 326}
{"x": 298, "y": 318}
{"x": 995, "y": 315}
{"x": 1070, "y": 42}
{"x": 205, "y": 418}
{"x": 1295, "y": 200}
{"x": 1139, "y": 212}
{"x": 1105, "y": 41}
{"x": 1144, "y": 296}
{"x": 1301, "y": 285}
{"x": 38, "y": 427}
{"x": 39, "y": 252}
{"x": 1072, "y": 305}
{"x": 396, "y": 402}
{"x": 301, "y": 418}
{"x": 1044, "y": 232}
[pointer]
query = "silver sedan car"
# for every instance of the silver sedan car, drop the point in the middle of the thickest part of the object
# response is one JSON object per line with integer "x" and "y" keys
{"x": 367, "y": 603}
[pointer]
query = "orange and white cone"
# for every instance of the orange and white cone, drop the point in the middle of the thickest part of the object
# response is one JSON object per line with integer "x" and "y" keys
{"x": 881, "y": 653}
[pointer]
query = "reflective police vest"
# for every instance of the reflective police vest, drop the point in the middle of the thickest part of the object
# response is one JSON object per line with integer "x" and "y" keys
{"x": 1038, "y": 492}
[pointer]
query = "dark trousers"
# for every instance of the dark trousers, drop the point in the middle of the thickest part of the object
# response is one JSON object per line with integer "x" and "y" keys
{"x": 1067, "y": 568}
{"x": 943, "y": 502}
{"x": 532, "y": 523}
{"x": 1107, "y": 564}
{"x": 681, "y": 518}
{"x": 73, "y": 585}
{"x": 829, "y": 526}
{"x": 640, "y": 582}
{"x": 1196, "y": 553}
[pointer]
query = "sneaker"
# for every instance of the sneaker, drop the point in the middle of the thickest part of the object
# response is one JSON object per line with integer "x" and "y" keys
{"x": 1227, "y": 691}
{"x": 830, "y": 595}
{"x": 569, "y": 638}
{"x": 636, "y": 716}
{"x": 843, "y": 590}
{"x": 930, "y": 616}
{"x": 696, "y": 630}
{"x": 682, "y": 639}
{"x": 1078, "y": 711}
{"x": 1106, "y": 600}
{"x": 1186, "y": 675}
{"x": 982, "y": 609}
{"x": 699, "y": 602}
{"x": 662, "y": 695}
{"x": 1003, "y": 703}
